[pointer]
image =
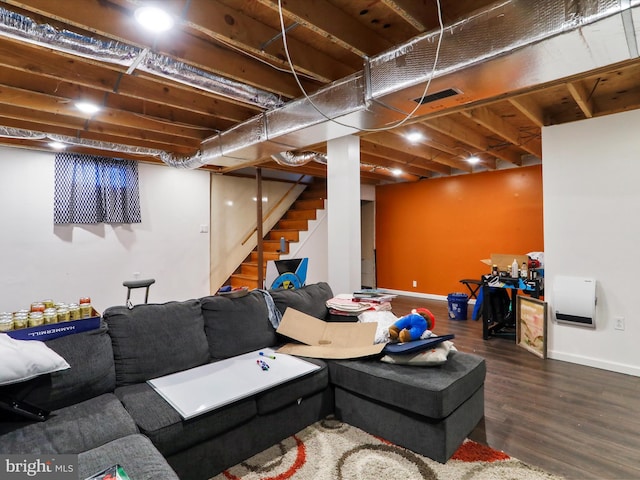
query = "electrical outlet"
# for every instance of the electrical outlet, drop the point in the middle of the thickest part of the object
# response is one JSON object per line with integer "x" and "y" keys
{"x": 415, "y": 283}
{"x": 618, "y": 323}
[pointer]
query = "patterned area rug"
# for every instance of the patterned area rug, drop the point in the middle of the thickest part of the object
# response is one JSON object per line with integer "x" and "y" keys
{"x": 332, "y": 450}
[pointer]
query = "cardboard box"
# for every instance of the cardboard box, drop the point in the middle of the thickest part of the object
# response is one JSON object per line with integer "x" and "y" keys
{"x": 55, "y": 330}
{"x": 337, "y": 340}
{"x": 504, "y": 261}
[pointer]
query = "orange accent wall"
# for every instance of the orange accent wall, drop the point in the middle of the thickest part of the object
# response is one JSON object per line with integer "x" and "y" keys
{"x": 436, "y": 231}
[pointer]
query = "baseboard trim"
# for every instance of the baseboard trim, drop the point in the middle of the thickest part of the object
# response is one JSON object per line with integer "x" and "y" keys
{"x": 594, "y": 362}
{"x": 427, "y": 296}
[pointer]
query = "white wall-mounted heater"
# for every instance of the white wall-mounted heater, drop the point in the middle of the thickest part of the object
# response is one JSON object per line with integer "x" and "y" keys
{"x": 574, "y": 301}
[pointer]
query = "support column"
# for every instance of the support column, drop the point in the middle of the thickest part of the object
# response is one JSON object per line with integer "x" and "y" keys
{"x": 343, "y": 214}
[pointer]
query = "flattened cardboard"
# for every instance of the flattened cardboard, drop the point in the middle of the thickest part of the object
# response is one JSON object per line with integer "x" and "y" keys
{"x": 337, "y": 340}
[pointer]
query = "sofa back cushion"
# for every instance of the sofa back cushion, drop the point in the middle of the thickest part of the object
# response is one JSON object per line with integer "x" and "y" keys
{"x": 310, "y": 299}
{"x": 152, "y": 340}
{"x": 91, "y": 374}
{"x": 237, "y": 325}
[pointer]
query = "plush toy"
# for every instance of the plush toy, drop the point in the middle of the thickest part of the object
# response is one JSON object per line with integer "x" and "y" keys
{"x": 412, "y": 326}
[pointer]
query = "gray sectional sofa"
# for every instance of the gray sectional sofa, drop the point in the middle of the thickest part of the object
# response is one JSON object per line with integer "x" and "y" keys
{"x": 104, "y": 410}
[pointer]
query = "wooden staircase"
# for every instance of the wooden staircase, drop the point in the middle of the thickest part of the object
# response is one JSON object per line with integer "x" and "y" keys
{"x": 295, "y": 220}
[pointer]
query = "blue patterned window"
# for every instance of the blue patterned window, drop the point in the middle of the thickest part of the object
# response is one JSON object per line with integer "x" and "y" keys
{"x": 91, "y": 189}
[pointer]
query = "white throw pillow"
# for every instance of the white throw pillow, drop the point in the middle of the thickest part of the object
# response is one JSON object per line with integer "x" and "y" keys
{"x": 426, "y": 358}
{"x": 24, "y": 359}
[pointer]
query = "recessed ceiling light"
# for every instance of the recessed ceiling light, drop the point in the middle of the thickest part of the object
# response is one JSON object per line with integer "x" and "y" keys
{"x": 397, "y": 172}
{"x": 414, "y": 137}
{"x": 87, "y": 107}
{"x": 473, "y": 160}
{"x": 153, "y": 19}
{"x": 57, "y": 145}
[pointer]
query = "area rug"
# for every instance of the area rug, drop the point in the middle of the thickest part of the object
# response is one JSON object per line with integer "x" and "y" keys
{"x": 332, "y": 450}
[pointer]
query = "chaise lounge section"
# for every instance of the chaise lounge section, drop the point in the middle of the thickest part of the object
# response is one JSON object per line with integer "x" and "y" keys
{"x": 107, "y": 403}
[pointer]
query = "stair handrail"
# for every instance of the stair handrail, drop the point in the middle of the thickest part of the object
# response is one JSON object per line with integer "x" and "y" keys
{"x": 272, "y": 209}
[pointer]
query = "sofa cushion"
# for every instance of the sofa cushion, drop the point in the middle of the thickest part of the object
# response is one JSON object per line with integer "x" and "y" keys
{"x": 165, "y": 427}
{"x": 310, "y": 299}
{"x": 287, "y": 393}
{"x": 152, "y": 340}
{"x": 73, "y": 429}
{"x": 84, "y": 380}
{"x": 433, "y": 392}
{"x": 237, "y": 325}
{"x": 137, "y": 455}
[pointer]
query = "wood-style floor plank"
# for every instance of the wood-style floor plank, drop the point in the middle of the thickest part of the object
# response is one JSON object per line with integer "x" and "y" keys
{"x": 571, "y": 420}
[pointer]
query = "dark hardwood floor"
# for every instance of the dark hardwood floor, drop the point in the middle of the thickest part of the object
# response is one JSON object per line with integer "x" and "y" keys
{"x": 575, "y": 421}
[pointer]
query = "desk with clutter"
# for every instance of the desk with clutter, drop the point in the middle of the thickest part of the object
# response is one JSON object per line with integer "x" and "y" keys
{"x": 499, "y": 291}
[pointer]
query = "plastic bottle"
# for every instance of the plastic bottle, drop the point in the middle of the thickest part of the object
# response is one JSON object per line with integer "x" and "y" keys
{"x": 523, "y": 271}
{"x": 514, "y": 269}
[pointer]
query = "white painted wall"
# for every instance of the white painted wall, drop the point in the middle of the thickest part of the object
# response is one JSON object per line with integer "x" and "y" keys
{"x": 39, "y": 260}
{"x": 591, "y": 187}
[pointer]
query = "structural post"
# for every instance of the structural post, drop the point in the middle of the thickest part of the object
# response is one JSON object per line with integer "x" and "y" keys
{"x": 259, "y": 226}
{"x": 343, "y": 214}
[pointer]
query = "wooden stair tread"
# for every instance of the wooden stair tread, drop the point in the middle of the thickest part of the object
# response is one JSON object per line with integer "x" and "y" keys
{"x": 295, "y": 220}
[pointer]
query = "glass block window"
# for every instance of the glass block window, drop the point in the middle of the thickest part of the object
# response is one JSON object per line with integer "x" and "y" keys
{"x": 92, "y": 189}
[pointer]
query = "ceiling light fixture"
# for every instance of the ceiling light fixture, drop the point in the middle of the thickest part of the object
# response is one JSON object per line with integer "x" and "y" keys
{"x": 153, "y": 19}
{"x": 57, "y": 145}
{"x": 87, "y": 107}
{"x": 473, "y": 160}
{"x": 397, "y": 172}
{"x": 414, "y": 137}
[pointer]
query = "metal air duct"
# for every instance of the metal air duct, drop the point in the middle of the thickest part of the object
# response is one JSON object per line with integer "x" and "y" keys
{"x": 512, "y": 45}
{"x": 297, "y": 159}
{"x": 20, "y": 27}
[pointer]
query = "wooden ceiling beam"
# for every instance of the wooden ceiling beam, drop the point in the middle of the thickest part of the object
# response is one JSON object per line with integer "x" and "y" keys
{"x": 61, "y": 125}
{"x": 489, "y": 120}
{"x": 420, "y": 14}
{"x": 415, "y": 169}
{"x": 582, "y": 97}
{"x": 60, "y": 68}
{"x": 450, "y": 127}
{"x": 529, "y": 108}
{"x": 37, "y": 83}
{"x": 317, "y": 170}
{"x": 64, "y": 106}
{"x": 332, "y": 23}
{"x": 419, "y": 149}
{"x": 428, "y": 138}
{"x": 116, "y": 22}
{"x": 231, "y": 26}
{"x": 401, "y": 158}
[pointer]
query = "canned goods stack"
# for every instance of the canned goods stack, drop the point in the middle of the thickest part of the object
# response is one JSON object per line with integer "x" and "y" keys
{"x": 45, "y": 312}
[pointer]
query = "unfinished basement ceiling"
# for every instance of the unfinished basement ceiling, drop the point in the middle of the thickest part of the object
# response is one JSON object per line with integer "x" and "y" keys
{"x": 216, "y": 90}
